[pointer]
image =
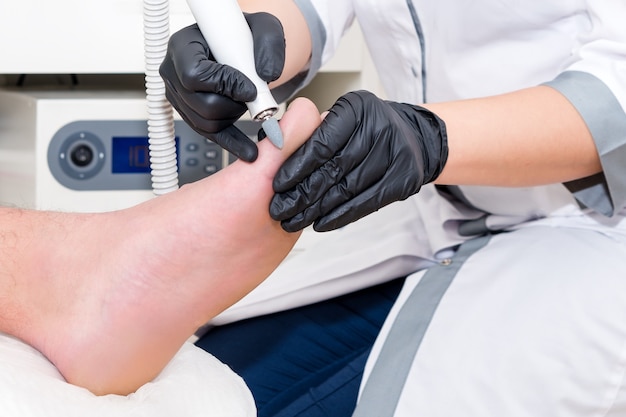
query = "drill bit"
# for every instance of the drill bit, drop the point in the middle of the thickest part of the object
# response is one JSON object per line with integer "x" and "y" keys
{"x": 273, "y": 132}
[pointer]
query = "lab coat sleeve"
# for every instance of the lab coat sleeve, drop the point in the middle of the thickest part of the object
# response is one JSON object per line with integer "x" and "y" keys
{"x": 327, "y": 22}
{"x": 595, "y": 83}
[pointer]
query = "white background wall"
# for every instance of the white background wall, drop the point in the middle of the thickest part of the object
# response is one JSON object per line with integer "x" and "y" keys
{"x": 96, "y": 37}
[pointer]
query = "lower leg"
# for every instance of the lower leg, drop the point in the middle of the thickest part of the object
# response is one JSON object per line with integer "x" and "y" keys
{"x": 109, "y": 298}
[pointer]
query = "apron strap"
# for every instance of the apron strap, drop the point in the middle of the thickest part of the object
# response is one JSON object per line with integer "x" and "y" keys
{"x": 382, "y": 390}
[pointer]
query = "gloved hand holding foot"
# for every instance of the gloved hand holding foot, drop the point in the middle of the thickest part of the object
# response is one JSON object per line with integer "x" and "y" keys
{"x": 366, "y": 154}
{"x": 210, "y": 96}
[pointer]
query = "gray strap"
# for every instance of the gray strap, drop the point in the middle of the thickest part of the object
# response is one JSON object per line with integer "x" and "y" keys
{"x": 382, "y": 391}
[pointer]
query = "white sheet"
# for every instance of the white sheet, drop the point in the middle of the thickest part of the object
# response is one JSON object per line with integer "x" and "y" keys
{"x": 193, "y": 384}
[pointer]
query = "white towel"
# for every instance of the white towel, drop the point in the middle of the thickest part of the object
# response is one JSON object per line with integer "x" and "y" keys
{"x": 194, "y": 383}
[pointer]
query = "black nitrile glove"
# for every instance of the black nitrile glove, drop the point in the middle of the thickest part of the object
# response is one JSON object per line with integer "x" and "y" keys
{"x": 366, "y": 154}
{"x": 209, "y": 96}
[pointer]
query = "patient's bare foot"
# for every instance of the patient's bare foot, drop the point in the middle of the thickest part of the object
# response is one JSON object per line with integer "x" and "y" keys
{"x": 110, "y": 298}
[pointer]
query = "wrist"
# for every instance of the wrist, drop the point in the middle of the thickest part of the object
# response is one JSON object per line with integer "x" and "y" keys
{"x": 430, "y": 131}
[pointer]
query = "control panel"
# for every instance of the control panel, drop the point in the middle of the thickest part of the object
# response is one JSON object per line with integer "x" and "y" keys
{"x": 114, "y": 154}
{"x": 88, "y": 150}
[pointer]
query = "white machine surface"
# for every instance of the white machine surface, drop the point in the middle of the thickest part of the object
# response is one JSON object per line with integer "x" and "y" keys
{"x": 77, "y": 36}
{"x": 100, "y": 37}
{"x": 88, "y": 150}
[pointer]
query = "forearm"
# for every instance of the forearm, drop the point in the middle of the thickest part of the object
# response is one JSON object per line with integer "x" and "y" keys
{"x": 525, "y": 138}
{"x": 297, "y": 36}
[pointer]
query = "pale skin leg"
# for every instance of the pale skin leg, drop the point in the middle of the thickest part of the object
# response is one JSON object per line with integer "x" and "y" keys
{"x": 110, "y": 298}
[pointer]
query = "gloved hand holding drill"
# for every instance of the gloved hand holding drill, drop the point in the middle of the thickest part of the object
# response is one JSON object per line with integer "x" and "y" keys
{"x": 366, "y": 154}
{"x": 210, "y": 96}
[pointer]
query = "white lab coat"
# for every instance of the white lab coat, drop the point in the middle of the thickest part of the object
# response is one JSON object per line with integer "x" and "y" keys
{"x": 534, "y": 324}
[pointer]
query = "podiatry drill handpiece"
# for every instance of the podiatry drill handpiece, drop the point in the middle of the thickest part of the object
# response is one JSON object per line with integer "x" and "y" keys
{"x": 226, "y": 31}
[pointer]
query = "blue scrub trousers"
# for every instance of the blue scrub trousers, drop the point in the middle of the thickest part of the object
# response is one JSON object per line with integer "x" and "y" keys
{"x": 309, "y": 361}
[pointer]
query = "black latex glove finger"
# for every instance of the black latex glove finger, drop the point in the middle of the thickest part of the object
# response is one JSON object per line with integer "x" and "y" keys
{"x": 305, "y": 194}
{"x": 269, "y": 45}
{"x": 236, "y": 142}
{"x": 346, "y": 202}
{"x": 332, "y": 209}
{"x": 348, "y": 173}
{"x": 326, "y": 144}
{"x": 189, "y": 66}
{"x": 359, "y": 206}
{"x": 322, "y": 221}
{"x": 208, "y": 112}
{"x": 222, "y": 132}
{"x": 195, "y": 69}
{"x": 363, "y": 180}
{"x": 344, "y": 205}
{"x": 300, "y": 220}
{"x": 202, "y": 89}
